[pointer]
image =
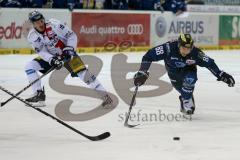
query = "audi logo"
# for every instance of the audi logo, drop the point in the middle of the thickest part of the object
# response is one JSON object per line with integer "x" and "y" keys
{"x": 135, "y": 29}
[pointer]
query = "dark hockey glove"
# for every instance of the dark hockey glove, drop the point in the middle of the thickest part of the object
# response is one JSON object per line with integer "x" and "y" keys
{"x": 140, "y": 78}
{"x": 56, "y": 62}
{"x": 225, "y": 77}
{"x": 67, "y": 53}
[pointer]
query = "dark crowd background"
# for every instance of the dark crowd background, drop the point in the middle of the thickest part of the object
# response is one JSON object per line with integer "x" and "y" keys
{"x": 176, "y": 6}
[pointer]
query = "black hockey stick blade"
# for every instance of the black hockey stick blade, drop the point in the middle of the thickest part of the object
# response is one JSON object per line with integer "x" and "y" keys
{"x": 130, "y": 125}
{"x": 99, "y": 137}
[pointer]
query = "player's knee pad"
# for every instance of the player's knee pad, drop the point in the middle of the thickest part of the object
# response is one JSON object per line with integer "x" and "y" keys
{"x": 32, "y": 67}
{"x": 43, "y": 66}
{"x": 75, "y": 65}
{"x": 188, "y": 85}
{"x": 189, "y": 82}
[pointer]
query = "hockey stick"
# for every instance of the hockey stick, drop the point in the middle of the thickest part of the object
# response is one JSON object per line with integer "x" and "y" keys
{"x": 130, "y": 109}
{"x": 92, "y": 138}
{"x": 25, "y": 88}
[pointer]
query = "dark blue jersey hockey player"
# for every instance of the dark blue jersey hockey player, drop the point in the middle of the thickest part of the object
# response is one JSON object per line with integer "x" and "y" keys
{"x": 181, "y": 58}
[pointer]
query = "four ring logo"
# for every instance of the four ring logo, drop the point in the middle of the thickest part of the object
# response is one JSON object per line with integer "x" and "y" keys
{"x": 135, "y": 29}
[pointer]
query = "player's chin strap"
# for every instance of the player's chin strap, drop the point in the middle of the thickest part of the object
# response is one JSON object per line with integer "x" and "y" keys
{"x": 25, "y": 88}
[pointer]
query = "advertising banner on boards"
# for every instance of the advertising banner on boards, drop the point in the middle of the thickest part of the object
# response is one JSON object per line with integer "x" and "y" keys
{"x": 202, "y": 27}
{"x": 108, "y": 31}
{"x": 229, "y": 30}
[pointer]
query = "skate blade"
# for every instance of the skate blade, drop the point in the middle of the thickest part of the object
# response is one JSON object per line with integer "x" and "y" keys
{"x": 187, "y": 116}
{"x": 38, "y": 104}
{"x": 107, "y": 105}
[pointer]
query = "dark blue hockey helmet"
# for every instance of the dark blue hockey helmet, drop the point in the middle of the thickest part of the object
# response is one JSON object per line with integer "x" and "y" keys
{"x": 35, "y": 16}
{"x": 185, "y": 40}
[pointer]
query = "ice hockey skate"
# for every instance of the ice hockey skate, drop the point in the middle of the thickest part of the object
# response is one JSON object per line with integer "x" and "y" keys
{"x": 38, "y": 99}
{"x": 187, "y": 106}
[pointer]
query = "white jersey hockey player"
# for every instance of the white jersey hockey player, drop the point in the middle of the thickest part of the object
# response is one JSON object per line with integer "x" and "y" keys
{"x": 55, "y": 44}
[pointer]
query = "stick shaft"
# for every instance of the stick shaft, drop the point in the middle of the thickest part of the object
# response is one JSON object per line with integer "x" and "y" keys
{"x": 93, "y": 138}
{"x": 131, "y": 105}
{"x": 25, "y": 88}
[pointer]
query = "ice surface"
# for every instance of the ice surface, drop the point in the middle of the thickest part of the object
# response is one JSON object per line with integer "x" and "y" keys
{"x": 212, "y": 134}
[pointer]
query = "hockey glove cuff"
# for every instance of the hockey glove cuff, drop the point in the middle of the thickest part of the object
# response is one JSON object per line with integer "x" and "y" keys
{"x": 67, "y": 53}
{"x": 56, "y": 62}
{"x": 225, "y": 77}
{"x": 140, "y": 78}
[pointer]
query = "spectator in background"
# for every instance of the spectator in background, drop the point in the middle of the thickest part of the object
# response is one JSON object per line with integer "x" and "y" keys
{"x": 151, "y": 4}
{"x": 195, "y": 1}
{"x": 73, "y": 4}
{"x": 176, "y": 6}
{"x": 38, "y": 3}
{"x": 88, "y": 4}
{"x": 145, "y": 5}
{"x": 35, "y": 3}
{"x": 82, "y": 4}
{"x": 11, "y": 3}
{"x": 135, "y": 4}
{"x": 99, "y": 4}
{"x": 23, "y": 3}
{"x": 120, "y": 4}
{"x": 107, "y": 4}
{"x": 116, "y": 4}
{"x": 60, "y": 4}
